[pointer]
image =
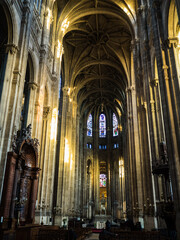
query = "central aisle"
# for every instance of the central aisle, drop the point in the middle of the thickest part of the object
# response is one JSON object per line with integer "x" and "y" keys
{"x": 93, "y": 236}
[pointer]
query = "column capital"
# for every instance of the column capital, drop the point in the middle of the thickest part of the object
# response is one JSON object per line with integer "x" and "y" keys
{"x": 43, "y": 52}
{"x": 65, "y": 90}
{"x": 144, "y": 106}
{"x": 154, "y": 82}
{"x": 152, "y": 103}
{"x": 32, "y": 85}
{"x": 16, "y": 77}
{"x": 173, "y": 41}
{"x": 134, "y": 42}
{"x": 54, "y": 77}
{"x": 165, "y": 68}
{"x": 129, "y": 116}
{"x": 25, "y": 11}
{"x": 46, "y": 112}
{"x": 12, "y": 48}
{"x": 130, "y": 89}
{"x": 142, "y": 8}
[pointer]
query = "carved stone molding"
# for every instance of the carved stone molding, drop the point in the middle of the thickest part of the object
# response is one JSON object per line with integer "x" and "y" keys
{"x": 152, "y": 103}
{"x": 16, "y": 77}
{"x": 46, "y": 111}
{"x": 141, "y": 9}
{"x": 134, "y": 43}
{"x": 173, "y": 42}
{"x": 154, "y": 82}
{"x": 12, "y": 48}
{"x": 32, "y": 85}
{"x": 165, "y": 68}
{"x": 43, "y": 52}
{"x": 130, "y": 89}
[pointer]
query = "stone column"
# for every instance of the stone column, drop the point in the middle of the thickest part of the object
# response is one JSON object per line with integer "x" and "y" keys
{"x": 171, "y": 49}
{"x": 135, "y": 157}
{"x": 77, "y": 167}
{"x": 61, "y": 172}
{"x": 178, "y": 9}
{"x": 33, "y": 88}
{"x": 171, "y": 137}
{"x": 96, "y": 164}
{"x": 80, "y": 164}
{"x": 42, "y": 157}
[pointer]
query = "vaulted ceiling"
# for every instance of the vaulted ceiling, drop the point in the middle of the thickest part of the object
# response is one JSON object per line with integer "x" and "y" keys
{"x": 97, "y": 54}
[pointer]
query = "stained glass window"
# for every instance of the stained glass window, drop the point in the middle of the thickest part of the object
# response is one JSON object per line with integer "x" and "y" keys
{"x": 116, "y": 145}
{"x": 115, "y": 125}
{"x": 102, "y": 125}
{"x": 89, "y": 126}
{"x": 89, "y": 145}
{"x": 102, "y": 179}
{"x": 101, "y": 146}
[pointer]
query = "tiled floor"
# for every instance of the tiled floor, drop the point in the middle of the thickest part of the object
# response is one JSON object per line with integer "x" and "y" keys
{"x": 93, "y": 236}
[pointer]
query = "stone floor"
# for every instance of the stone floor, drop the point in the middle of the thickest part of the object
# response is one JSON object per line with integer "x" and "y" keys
{"x": 93, "y": 236}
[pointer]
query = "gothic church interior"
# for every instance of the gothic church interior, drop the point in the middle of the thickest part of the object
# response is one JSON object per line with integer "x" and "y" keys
{"x": 90, "y": 104}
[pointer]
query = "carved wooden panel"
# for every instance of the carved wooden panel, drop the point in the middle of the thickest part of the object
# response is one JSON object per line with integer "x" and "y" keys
{"x": 8, "y": 185}
{"x": 21, "y": 179}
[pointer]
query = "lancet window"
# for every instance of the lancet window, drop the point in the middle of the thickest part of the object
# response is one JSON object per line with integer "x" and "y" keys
{"x": 102, "y": 125}
{"x": 89, "y": 126}
{"x": 115, "y": 125}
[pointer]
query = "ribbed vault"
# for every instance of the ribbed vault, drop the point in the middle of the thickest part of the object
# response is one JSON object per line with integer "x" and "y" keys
{"x": 97, "y": 54}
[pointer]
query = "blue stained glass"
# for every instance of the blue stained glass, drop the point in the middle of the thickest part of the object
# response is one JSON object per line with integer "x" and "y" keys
{"x": 115, "y": 125}
{"x": 102, "y": 125}
{"x": 89, "y": 126}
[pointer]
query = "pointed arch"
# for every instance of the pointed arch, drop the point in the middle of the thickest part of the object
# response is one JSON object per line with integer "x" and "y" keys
{"x": 3, "y": 42}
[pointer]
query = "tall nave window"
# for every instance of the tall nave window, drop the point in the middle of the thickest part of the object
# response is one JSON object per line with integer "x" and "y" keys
{"x": 102, "y": 126}
{"x": 89, "y": 126}
{"x": 115, "y": 125}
